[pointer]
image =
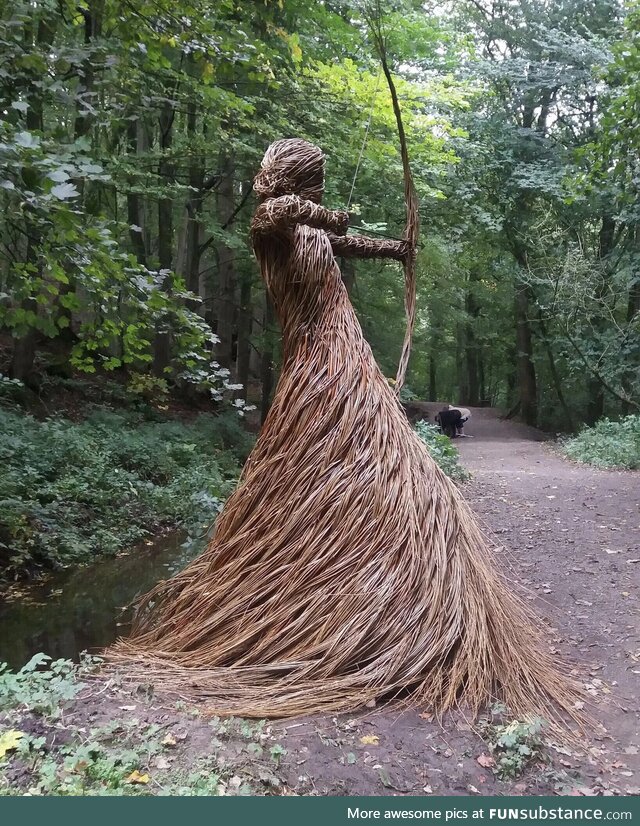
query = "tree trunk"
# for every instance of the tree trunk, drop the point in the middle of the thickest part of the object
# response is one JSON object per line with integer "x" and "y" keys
{"x": 555, "y": 376}
{"x": 24, "y": 348}
{"x": 189, "y": 253}
{"x": 432, "y": 394}
{"x": 245, "y": 327}
{"x": 135, "y": 216}
{"x": 471, "y": 346}
{"x": 225, "y": 304}
{"x": 266, "y": 372}
{"x": 461, "y": 364}
{"x": 595, "y": 388}
{"x": 92, "y": 14}
{"x": 348, "y": 270}
{"x": 162, "y": 342}
{"x": 524, "y": 360}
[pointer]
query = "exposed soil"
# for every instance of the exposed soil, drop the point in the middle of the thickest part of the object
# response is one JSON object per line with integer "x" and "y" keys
{"x": 572, "y": 534}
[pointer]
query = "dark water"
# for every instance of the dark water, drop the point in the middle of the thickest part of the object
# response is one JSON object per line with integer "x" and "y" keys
{"x": 84, "y": 609}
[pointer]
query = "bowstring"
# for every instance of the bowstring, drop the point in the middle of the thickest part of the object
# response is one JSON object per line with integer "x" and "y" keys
{"x": 364, "y": 140}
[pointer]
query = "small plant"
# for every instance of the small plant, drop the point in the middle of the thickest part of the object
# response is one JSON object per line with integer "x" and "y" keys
{"x": 40, "y": 686}
{"x": 150, "y": 388}
{"x": 514, "y": 745}
{"x": 608, "y": 444}
{"x": 442, "y": 450}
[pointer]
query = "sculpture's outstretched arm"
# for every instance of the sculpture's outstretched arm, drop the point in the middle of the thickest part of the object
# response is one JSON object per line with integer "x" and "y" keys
{"x": 360, "y": 246}
{"x": 287, "y": 210}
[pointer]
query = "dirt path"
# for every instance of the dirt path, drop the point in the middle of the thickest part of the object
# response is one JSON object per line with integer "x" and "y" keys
{"x": 574, "y": 532}
{"x": 573, "y": 535}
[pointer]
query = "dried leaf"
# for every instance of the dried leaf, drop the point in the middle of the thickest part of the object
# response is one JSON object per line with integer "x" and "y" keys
{"x": 486, "y": 760}
{"x": 169, "y": 740}
{"x": 370, "y": 740}
{"x": 136, "y": 777}
{"x": 10, "y": 741}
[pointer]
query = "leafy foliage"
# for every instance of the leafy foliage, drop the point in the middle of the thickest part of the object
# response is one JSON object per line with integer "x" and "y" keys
{"x": 442, "y": 450}
{"x": 125, "y": 756}
{"x": 515, "y": 744}
{"x": 71, "y": 491}
{"x": 41, "y": 685}
{"x": 608, "y": 444}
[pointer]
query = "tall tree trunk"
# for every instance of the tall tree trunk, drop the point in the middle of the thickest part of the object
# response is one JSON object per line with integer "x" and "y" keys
{"x": 524, "y": 360}
{"x": 189, "y": 253}
{"x": 348, "y": 270}
{"x": 92, "y": 14}
{"x": 266, "y": 372}
{"x": 162, "y": 342}
{"x": 245, "y": 327}
{"x": 471, "y": 345}
{"x": 225, "y": 303}
{"x": 461, "y": 364}
{"x": 135, "y": 214}
{"x": 595, "y": 388}
{"x": 24, "y": 348}
{"x": 555, "y": 376}
{"x": 432, "y": 393}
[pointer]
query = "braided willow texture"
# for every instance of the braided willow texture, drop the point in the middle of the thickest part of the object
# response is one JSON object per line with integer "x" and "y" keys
{"x": 345, "y": 567}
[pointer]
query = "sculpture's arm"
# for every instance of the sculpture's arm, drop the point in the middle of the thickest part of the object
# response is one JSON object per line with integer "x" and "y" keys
{"x": 288, "y": 210}
{"x": 360, "y": 246}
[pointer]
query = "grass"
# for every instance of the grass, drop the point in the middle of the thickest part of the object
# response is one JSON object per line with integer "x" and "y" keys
{"x": 442, "y": 450}
{"x": 608, "y": 444}
{"x": 72, "y": 491}
{"x": 48, "y": 748}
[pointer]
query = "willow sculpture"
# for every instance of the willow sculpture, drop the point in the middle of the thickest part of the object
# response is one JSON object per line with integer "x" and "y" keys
{"x": 345, "y": 567}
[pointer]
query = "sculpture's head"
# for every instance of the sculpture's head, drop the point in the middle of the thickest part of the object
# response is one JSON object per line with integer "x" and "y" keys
{"x": 291, "y": 167}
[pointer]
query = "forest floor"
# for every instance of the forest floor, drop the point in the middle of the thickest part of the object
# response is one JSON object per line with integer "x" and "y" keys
{"x": 572, "y": 535}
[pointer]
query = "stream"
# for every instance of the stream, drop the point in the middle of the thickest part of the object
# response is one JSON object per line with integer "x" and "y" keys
{"x": 84, "y": 608}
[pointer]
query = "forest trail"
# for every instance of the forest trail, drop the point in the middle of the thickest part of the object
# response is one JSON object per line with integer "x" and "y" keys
{"x": 571, "y": 535}
{"x": 574, "y": 535}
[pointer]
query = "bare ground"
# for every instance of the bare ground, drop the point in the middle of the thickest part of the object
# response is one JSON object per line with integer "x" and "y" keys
{"x": 572, "y": 533}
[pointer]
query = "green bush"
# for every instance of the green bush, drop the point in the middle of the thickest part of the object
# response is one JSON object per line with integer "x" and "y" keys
{"x": 608, "y": 444}
{"x": 442, "y": 450}
{"x": 71, "y": 491}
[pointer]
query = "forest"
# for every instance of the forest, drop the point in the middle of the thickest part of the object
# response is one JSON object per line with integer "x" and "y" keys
{"x": 131, "y": 133}
{"x": 142, "y": 362}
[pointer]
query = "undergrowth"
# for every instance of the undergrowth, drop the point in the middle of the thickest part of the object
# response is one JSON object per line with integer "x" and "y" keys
{"x": 514, "y": 744}
{"x": 608, "y": 444}
{"x": 444, "y": 453}
{"x": 71, "y": 491}
{"x": 48, "y": 749}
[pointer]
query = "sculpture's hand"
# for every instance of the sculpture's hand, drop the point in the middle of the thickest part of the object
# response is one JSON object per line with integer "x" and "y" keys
{"x": 341, "y": 219}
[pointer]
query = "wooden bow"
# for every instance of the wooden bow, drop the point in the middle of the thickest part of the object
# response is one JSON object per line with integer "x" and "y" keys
{"x": 373, "y": 16}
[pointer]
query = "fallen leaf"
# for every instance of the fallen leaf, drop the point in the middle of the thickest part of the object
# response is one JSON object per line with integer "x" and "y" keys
{"x": 10, "y": 741}
{"x": 486, "y": 760}
{"x": 631, "y": 750}
{"x": 473, "y": 789}
{"x": 127, "y": 708}
{"x": 427, "y": 790}
{"x": 162, "y": 763}
{"x": 169, "y": 740}
{"x": 136, "y": 777}
{"x": 426, "y": 715}
{"x": 370, "y": 740}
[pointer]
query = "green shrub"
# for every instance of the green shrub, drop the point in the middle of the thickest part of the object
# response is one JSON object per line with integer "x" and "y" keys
{"x": 71, "y": 491}
{"x": 608, "y": 444}
{"x": 442, "y": 450}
